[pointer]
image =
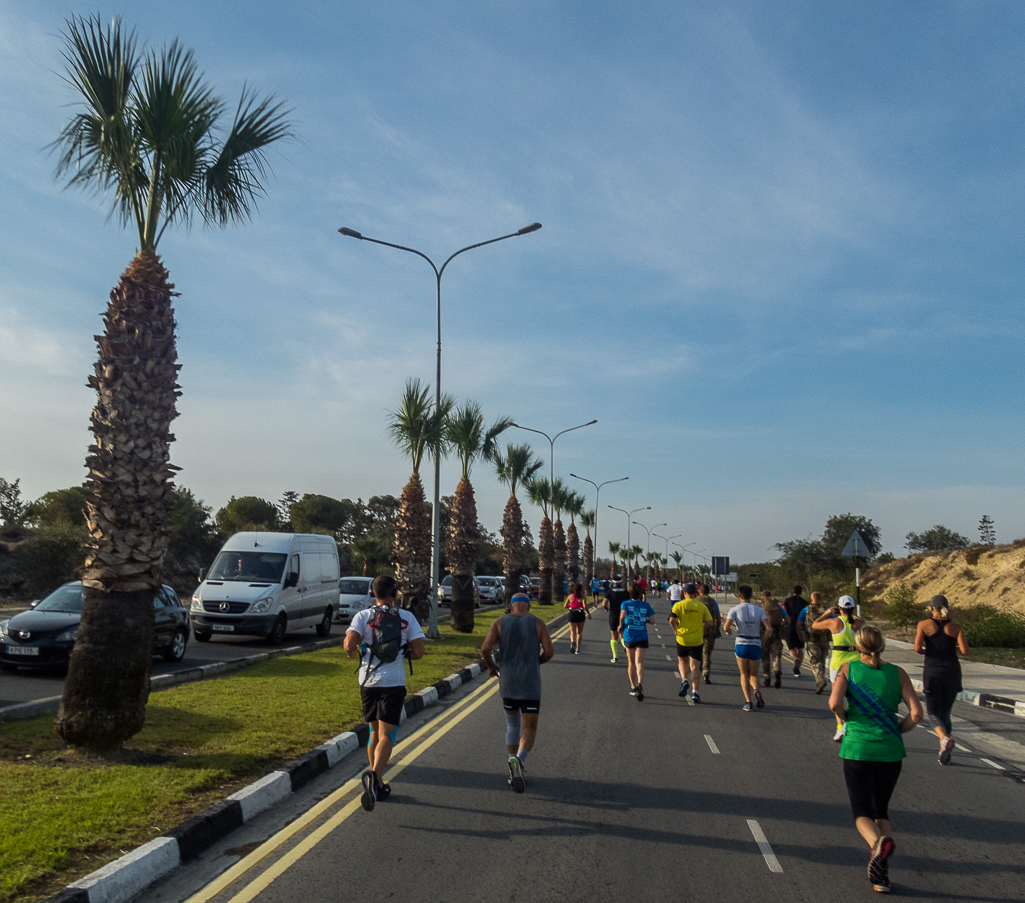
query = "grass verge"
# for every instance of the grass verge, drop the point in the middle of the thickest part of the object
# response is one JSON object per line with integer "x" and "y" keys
{"x": 202, "y": 741}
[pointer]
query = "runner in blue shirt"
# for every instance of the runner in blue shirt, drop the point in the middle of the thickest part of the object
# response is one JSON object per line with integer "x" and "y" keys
{"x": 634, "y": 617}
{"x": 595, "y": 589}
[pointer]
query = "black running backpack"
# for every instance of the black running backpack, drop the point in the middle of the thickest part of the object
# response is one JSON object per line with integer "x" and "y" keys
{"x": 386, "y": 627}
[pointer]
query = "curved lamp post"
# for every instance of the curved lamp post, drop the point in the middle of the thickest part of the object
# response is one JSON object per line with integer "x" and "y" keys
{"x": 597, "y": 492}
{"x": 647, "y": 564}
{"x": 432, "y": 630}
{"x": 629, "y": 516}
{"x": 551, "y": 443}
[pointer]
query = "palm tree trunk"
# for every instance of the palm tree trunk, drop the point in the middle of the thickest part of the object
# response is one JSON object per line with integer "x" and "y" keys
{"x": 411, "y": 550}
{"x": 546, "y": 558}
{"x": 573, "y": 553}
{"x": 463, "y": 543}
{"x": 588, "y": 561}
{"x": 128, "y": 500}
{"x": 512, "y": 537}
{"x": 559, "y": 574}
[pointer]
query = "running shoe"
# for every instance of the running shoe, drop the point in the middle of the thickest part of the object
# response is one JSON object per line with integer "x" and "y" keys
{"x": 640, "y": 693}
{"x": 840, "y": 731}
{"x": 516, "y": 774}
{"x": 882, "y": 887}
{"x": 759, "y": 702}
{"x": 878, "y": 866}
{"x": 684, "y": 686}
{"x": 707, "y": 678}
{"x": 695, "y": 698}
{"x": 633, "y": 691}
{"x": 819, "y": 689}
{"x": 383, "y": 791}
{"x": 613, "y": 660}
{"x": 946, "y": 748}
{"x": 779, "y": 679}
{"x": 797, "y": 672}
{"x": 369, "y": 796}
{"x": 747, "y": 707}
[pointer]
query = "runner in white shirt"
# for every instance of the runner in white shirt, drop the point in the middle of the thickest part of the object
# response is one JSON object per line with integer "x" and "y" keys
{"x": 749, "y": 620}
{"x": 675, "y": 592}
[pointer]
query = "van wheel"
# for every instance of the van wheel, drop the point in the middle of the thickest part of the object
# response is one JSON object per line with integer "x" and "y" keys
{"x": 201, "y": 637}
{"x": 277, "y": 634}
{"x": 175, "y": 652}
{"x": 324, "y": 627}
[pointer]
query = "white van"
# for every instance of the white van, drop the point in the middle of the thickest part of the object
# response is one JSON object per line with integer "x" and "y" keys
{"x": 266, "y": 584}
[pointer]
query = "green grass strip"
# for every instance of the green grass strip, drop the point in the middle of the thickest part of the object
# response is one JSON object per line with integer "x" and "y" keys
{"x": 68, "y": 814}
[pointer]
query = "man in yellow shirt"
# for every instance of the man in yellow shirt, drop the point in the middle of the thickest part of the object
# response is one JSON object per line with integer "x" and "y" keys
{"x": 688, "y": 620}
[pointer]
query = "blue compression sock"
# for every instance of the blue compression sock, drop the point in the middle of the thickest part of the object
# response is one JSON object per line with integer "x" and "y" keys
{"x": 512, "y": 728}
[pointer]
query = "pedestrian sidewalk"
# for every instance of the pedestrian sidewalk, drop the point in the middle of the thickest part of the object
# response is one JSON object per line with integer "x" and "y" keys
{"x": 987, "y": 686}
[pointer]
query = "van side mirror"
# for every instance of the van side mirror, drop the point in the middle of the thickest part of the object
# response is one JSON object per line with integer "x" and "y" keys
{"x": 202, "y": 574}
{"x": 292, "y": 579}
{"x": 34, "y": 603}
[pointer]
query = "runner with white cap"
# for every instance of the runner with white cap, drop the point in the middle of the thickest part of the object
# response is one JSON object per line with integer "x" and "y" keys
{"x": 843, "y": 624}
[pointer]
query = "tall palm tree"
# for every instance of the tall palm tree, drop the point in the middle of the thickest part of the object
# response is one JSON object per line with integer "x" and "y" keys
{"x": 614, "y": 550}
{"x": 560, "y": 498}
{"x": 635, "y": 554}
{"x": 465, "y": 433}
{"x": 587, "y": 520}
{"x": 418, "y": 428}
{"x": 515, "y": 468}
{"x": 574, "y": 508}
{"x": 540, "y": 493}
{"x": 678, "y": 561}
{"x": 147, "y": 133}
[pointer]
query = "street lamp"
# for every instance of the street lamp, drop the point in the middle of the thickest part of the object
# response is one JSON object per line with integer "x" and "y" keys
{"x": 597, "y": 492}
{"x": 629, "y": 515}
{"x": 683, "y": 552}
{"x": 432, "y": 629}
{"x": 551, "y": 457}
{"x": 668, "y": 539}
{"x": 647, "y": 565}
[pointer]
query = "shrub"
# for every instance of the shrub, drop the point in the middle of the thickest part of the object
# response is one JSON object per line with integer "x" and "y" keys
{"x": 901, "y": 608}
{"x": 971, "y": 557}
{"x": 53, "y": 555}
{"x": 986, "y": 626}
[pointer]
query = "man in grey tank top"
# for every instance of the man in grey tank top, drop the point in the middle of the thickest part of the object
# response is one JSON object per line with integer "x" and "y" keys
{"x": 525, "y": 646}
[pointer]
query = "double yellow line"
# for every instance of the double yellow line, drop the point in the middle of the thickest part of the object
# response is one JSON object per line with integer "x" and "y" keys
{"x": 407, "y": 753}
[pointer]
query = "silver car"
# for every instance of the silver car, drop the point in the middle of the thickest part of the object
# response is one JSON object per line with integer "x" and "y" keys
{"x": 445, "y": 591}
{"x": 491, "y": 589}
{"x": 353, "y": 595}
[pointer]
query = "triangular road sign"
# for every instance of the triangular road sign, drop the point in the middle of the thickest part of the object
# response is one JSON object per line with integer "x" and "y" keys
{"x": 856, "y": 547}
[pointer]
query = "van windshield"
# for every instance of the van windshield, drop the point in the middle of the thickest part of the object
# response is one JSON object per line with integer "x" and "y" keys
{"x": 353, "y": 587}
{"x": 248, "y": 567}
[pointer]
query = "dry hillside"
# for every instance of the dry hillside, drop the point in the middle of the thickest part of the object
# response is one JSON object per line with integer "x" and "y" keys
{"x": 991, "y": 575}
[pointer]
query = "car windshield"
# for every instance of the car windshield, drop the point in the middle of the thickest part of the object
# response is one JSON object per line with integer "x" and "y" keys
{"x": 353, "y": 587}
{"x": 486, "y": 581}
{"x": 248, "y": 567}
{"x": 447, "y": 581}
{"x": 68, "y": 598}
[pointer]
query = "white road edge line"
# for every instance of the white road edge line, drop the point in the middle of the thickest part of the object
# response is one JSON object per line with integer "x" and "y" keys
{"x": 711, "y": 744}
{"x": 668, "y": 659}
{"x": 770, "y": 858}
{"x": 993, "y": 764}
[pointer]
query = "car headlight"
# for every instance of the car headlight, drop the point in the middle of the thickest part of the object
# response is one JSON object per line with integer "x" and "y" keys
{"x": 262, "y": 605}
{"x": 197, "y": 603}
{"x": 69, "y": 635}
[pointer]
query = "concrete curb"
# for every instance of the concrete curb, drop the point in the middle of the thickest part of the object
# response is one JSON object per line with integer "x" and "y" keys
{"x": 23, "y": 710}
{"x": 120, "y": 880}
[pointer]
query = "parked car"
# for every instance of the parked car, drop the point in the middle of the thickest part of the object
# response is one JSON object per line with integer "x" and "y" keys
{"x": 266, "y": 584}
{"x": 535, "y": 587}
{"x": 445, "y": 592}
{"x": 44, "y": 636}
{"x": 353, "y": 595}
{"x": 491, "y": 589}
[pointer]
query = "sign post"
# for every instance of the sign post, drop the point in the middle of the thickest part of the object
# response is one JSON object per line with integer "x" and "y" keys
{"x": 721, "y": 568}
{"x": 857, "y": 550}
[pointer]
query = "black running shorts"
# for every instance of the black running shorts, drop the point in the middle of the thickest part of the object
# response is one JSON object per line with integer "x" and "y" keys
{"x": 577, "y": 616}
{"x": 639, "y": 644}
{"x": 527, "y": 706}
{"x": 382, "y": 704}
{"x": 693, "y": 652}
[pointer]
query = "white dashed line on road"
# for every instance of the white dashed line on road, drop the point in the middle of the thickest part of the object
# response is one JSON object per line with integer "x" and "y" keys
{"x": 992, "y": 764}
{"x": 711, "y": 744}
{"x": 770, "y": 858}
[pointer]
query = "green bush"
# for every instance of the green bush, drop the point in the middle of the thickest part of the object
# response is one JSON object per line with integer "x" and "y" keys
{"x": 986, "y": 626}
{"x": 53, "y": 556}
{"x": 901, "y": 608}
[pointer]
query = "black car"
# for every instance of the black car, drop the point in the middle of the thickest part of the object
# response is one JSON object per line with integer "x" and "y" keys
{"x": 44, "y": 636}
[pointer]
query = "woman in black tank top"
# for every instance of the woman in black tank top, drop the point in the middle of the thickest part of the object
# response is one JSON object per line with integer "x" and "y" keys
{"x": 939, "y": 639}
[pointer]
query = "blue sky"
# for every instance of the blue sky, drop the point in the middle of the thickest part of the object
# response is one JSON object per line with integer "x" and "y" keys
{"x": 781, "y": 260}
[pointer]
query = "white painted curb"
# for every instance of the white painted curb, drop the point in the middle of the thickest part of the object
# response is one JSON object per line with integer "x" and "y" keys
{"x": 263, "y": 794}
{"x": 125, "y": 877}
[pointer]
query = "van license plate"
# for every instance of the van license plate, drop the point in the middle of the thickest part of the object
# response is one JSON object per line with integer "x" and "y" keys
{"x": 223, "y": 628}
{"x": 23, "y": 650}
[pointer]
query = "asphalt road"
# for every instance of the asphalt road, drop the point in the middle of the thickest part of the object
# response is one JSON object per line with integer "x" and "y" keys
{"x": 625, "y": 801}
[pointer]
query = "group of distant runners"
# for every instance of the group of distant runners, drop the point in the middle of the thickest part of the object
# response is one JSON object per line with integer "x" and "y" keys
{"x": 865, "y": 696}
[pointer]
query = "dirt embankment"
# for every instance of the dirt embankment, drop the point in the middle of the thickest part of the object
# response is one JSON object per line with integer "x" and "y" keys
{"x": 987, "y": 575}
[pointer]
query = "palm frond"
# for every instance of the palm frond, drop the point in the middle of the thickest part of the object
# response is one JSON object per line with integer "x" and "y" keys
{"x": 517, "y": 466}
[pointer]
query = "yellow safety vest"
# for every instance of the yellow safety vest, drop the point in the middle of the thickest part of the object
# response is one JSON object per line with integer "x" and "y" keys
{"x": 843, "y": 647}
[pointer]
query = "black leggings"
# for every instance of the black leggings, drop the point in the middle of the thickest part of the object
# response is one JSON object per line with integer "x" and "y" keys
{"x": 939, "y": 700}
{"x": 870, "y": 786}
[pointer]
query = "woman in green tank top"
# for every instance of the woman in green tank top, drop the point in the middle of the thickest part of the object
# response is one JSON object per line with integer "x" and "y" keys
{"x": 866, "y": 695}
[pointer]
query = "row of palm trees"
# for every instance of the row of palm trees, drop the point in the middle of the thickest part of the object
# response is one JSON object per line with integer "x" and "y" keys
{"x": 421, "y": 426}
